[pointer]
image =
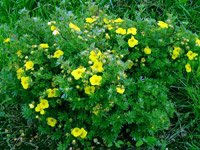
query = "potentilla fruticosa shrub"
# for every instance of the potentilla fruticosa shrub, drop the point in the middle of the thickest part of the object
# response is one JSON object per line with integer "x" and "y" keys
{"x": 101, "y": 80}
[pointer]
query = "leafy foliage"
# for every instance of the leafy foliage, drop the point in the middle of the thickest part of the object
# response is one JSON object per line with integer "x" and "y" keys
{"x": 113, "y": 87}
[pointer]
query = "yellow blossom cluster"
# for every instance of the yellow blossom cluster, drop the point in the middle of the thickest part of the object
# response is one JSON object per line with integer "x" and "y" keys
{"x": 176, "y": 52}
{"x": 147, "y": 50}
{"x": 120, "y": 89}
{"x": 132, "y": 31}
{"x": 52, "y": 92}
{"x": 118, "y": 20}
{"x": 97, "y": 66}
{"x": 41, "y": 106}
{"x": 191, "y": 55}
{"x": 7, "y": 40}
{"x": 51, "y": 121}
{"x": 121, "y": 31}
{"x": 90, "y": 20}
{"x": 58, "y": 53}
{"x": 25, "y": 81}
{"x": 54, "y": 29}
{"x": 162, "y": 24}
{"x": 132, "y": 42}
{"x": 77, "y": 132}
{"x": 96, "y": 57}
{"x": 197, "y": 42}
{"x": 188, "y": 67}
{"x": 95, "y": 80}
{"x": 74, "y": 27}
{"x": 29, "y": 65}
{"x": 78, "y": 73}
{"x": 44, "y": 46}
{"x": 92, "y": 75}
{"x": 89, "y": 89}
{"x": 111, "y": 23}
{"x": 20, "y": 73}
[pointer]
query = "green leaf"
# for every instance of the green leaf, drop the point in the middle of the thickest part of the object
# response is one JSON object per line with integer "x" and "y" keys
{"x": 139, "y": 143}
{"x": 119, "y": 143}
{"x": 150, "y": 140}
{"x": 110, "y": 145}
{"x": 2, "y": 113}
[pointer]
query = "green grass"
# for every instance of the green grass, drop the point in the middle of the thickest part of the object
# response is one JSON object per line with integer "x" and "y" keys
{"x": 186, "y": 11}
{"x": 185, "y": 130}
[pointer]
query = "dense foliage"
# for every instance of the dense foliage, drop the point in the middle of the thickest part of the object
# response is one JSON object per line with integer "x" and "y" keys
{"x": 97, "y": 80}
{"x": 101, "y": 78}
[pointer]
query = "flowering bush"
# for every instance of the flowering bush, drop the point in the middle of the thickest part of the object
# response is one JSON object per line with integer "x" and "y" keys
{"x": 102, "y": 80}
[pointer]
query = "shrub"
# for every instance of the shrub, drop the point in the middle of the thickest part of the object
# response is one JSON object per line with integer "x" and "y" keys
{"x": 101, "y": 80}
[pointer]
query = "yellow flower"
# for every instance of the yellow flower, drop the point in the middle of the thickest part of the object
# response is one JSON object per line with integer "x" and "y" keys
{"x": 162, "y": 24}
{"x": 197, "y": 42}
{"x": 147, "y": 50}
{"x": 51, "y": 121}
{"x": 77, "y": 73}
{"x": 83, "y": 133}
{"x": 121, "y": 31}
{"x": 97, "y": 66}
{"x": 143, "y": 60}
{"x": 106, "y": 21}
{"x": 44, "y": 46}
{"x": 90, "y": 20}
{"x": 174, "y": 56}
{"x": 130, "y": 64}
{"x": 74, "y": 27}
{"x": 52, "y": 92}
{"x": 95, "y": 80}
{"x": 95, "y": 56}
{"x": 132, "y": 42}
{"x": 53, "y": 28}
{"x": 56, "y": 32}
{"x": 177, "y": 49}
{"x": 20, "y": 72}
{"x": 176, "y": 52}
{"x": 25, "y": 82}
{"x": 89, "y": 89}
{"x": 120, "y": 90}
{"x": 19, "y": 53}
{"x": 107, "y": 36}
{"x": 58, "y": 53}
{"x": 191, "y": 55}
{"x": 7, "y": 40}
{"x": 76, "y": 132}
{"x": 188, "y": 67}
{"x": 38, "y": 108}
{"x": 132, "y": 31}
{"x": 29, "y": 65}
{"x": 44, "y": 103}
{"x": 109, "y": 27}
{"x": 42, "y": 112}
{"x": 118, "y": 20}
{"x": 31, "y": 106}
